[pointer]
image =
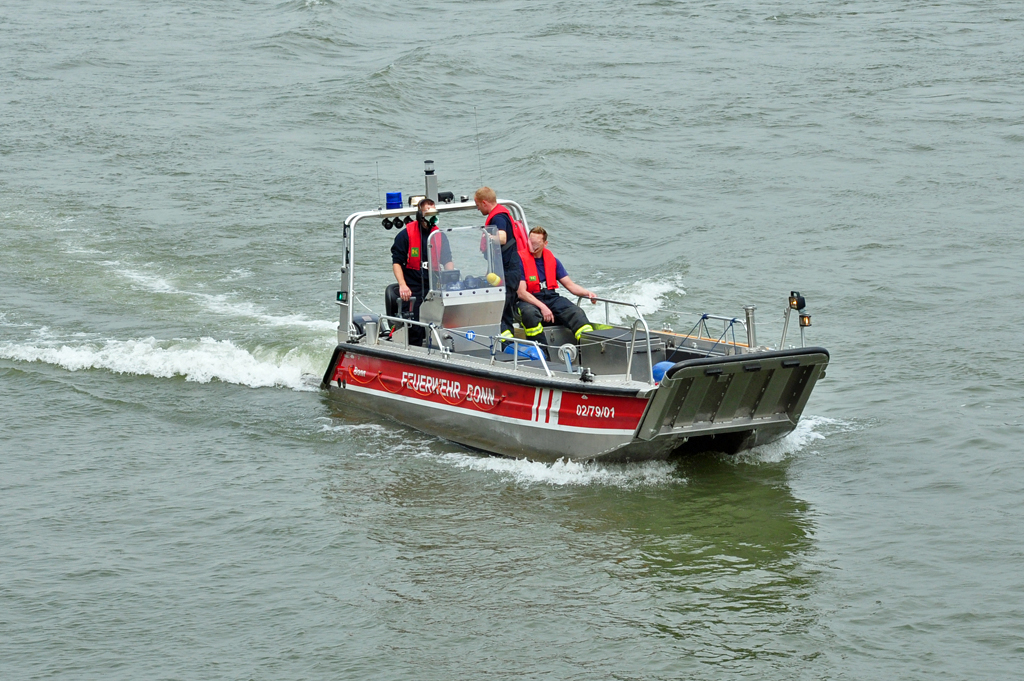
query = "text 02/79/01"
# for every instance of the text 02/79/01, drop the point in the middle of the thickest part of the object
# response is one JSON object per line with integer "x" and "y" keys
{"x": 595, "y": 411}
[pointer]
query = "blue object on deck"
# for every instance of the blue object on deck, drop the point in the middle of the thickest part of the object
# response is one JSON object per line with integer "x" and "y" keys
{"x": 394, "y": 200}
{"x": 525, "y": 351}
{"x": 659, "y": 370}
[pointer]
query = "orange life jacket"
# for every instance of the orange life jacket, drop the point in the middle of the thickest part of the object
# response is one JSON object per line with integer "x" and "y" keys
{"x": 518, "y": 230}
{"x": 414, "y": 256}
{"x": 530, "y": 272}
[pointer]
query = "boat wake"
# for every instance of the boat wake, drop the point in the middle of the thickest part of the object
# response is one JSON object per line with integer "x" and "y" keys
{"x": 388, "y": 441}
{"x": 200, "y": 360}
{"x": 220, "y": 303}
{"x": 380, "y": 441}
{"x": 4, "y": 321}
{"x": 564, "y": 473}
{"x": 809, "y": 430}
{"x": 649, "y": 295}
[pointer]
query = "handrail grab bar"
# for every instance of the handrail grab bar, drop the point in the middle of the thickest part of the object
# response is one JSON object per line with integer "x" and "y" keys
{"x": 445, "y": 352}
{"x": 632, "y": 343}
{"x": 349, "y": 241}
{"x": 650, "y": 354}
{"x": 515, "y": 353}
{"x": 607, "y": 301}
{"x": 703, "y": 317}
{"x": 427, "y": 325}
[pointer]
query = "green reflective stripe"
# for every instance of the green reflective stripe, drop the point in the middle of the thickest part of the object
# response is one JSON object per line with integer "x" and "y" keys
{"x": 602, "y": 327}
{"x": 583, "y": 329}
{"x": 506, "y": 334}
{"x": 533, "y": 331}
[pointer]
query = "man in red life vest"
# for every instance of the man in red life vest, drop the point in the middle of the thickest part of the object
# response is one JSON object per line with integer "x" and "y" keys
{"x": 538, "y": 301}
{"x": 410, "y": 259}
{"x": 498, "y": 216}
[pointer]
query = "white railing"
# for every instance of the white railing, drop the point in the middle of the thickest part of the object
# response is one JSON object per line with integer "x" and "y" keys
{"x": 431, "y": 327}
{"x": 495, "y": 341}
{"x": 608, "y": 302}
{"x": 704, "y": 333}
{"x": 515, "y": 352}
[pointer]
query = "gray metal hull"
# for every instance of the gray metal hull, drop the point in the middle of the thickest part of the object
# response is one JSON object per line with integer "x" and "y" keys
{"x": 507, "y": 439}
{"x": 723, "y": 404}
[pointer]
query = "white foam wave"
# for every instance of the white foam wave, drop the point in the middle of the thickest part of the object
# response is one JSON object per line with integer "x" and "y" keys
{"x": 44, "y": 334}
{"x": 237, "y": 273}
{"x": 222, "y": 303}
{"x": 147, "y": 281}
{"x": 807, "y": 431}
{"x": 81, "y": 250}
{"x": 201, "y": 360}
{"x": 564, "y": 473}
{"x": 4, "y": 321}
{"x": 350, "y": 428}
{"x": 376, "y": 440}
{"x": 647, "y": 294}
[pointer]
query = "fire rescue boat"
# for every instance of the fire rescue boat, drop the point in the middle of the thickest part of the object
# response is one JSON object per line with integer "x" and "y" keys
{"x": 622, "y": 392}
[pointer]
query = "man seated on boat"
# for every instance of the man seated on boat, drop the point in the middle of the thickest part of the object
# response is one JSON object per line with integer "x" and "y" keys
{"x": 498, "y": 216}
{"x": 538, "y": 301}
{"x": 410, "y": 259}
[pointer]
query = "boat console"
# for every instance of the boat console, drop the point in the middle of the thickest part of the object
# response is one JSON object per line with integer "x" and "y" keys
{"x": 467, "y": 287}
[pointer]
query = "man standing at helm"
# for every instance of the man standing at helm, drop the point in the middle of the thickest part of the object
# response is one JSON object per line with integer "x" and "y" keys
{"x": 410, "y": 259}
{"x": 538, "y": 301}
{"x": 498, "y": 216}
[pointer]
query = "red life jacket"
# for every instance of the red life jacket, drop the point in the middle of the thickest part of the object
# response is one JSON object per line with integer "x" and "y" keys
{"x": 414, "y": 256}
{"x": 530, "y": 272}
{"x": 518, "y": 230}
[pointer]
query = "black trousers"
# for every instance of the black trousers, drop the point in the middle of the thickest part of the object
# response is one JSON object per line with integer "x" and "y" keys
{"x": 416, "y": 333}
{"x": 507, "y": 314}
{"x": 565, "y": 313}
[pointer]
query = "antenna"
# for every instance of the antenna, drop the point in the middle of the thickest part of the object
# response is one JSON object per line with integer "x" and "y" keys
{"x": 478, "y": 162}
{"x": 379, "y": 204}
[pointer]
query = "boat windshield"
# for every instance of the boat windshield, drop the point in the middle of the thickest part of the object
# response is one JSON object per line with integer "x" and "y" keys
{"x": 469, "y": 258}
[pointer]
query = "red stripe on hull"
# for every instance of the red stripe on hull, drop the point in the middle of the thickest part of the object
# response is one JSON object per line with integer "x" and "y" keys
{"x": 551, "y": 407}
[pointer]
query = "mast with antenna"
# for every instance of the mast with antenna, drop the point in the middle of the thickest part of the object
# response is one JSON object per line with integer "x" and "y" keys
{"x": 479, "y": 163}
{"x": 379, "y": 204}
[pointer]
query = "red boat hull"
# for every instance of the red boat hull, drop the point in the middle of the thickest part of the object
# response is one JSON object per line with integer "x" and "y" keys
{"x": 536, "y": 419}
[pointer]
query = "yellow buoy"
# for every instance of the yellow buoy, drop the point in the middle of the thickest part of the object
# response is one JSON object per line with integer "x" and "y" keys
{"x": 493, "y": 279}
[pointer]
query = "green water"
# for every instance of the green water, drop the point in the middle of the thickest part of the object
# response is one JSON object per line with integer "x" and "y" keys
{"x": 179, "y": 501}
